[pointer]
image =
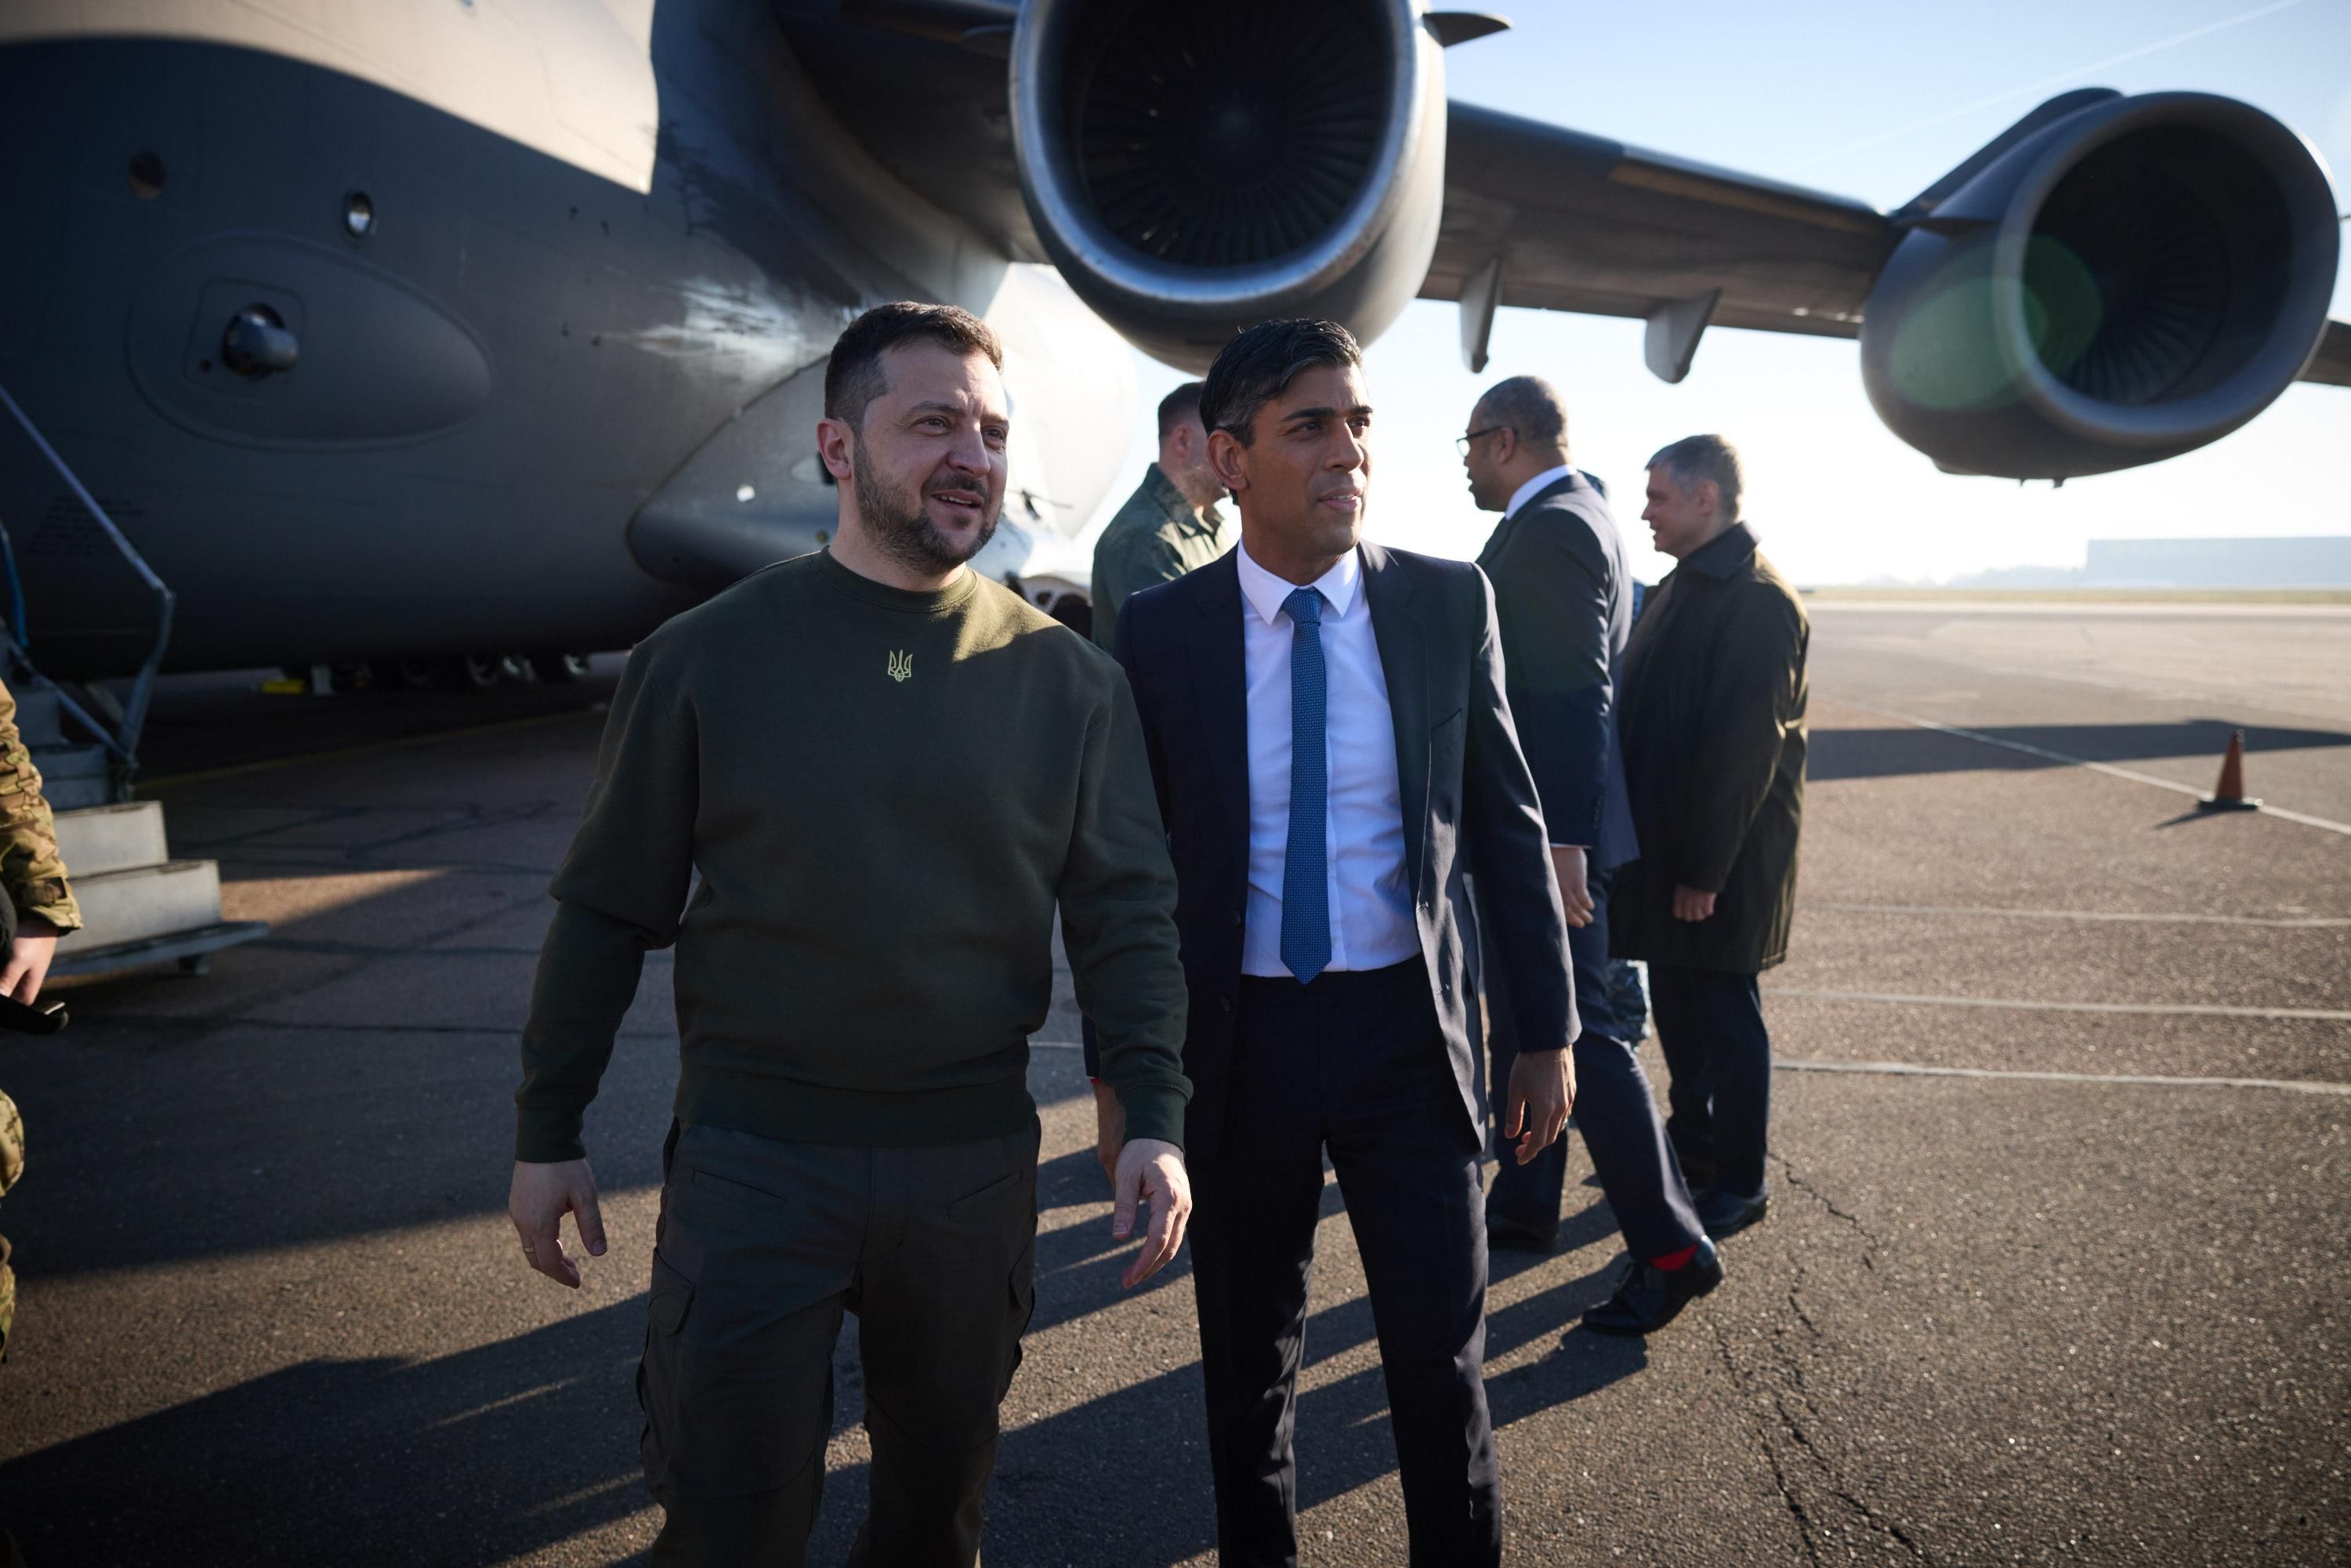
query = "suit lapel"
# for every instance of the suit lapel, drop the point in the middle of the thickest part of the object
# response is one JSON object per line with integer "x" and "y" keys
{"x": 1405, "y": 667}
{"x": 1220, "y": 680}
{"x": 1499, "y": 541}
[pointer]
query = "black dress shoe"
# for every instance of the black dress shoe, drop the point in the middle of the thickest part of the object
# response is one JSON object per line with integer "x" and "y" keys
{"x": 1508, "y": 1236}
{"x": 1650, "y": 1297}
{"x": 1728, "y": 1213}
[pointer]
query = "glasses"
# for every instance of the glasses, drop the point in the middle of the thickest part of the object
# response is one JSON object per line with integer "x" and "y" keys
{"x": 1462, "y": 443}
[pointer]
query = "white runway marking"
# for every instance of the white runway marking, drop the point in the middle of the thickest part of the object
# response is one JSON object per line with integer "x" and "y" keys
{"x": 1911, "y": 1069}
{"x": 2322, "y": 1015}
{"x": 2280, "y": 922}
{"x": 2105, "y": 768}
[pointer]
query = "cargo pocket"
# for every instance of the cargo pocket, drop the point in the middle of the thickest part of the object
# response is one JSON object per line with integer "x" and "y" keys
{"x": 661, "y": 1373}
{"x": 1020, "y": 1289}
{"x": 1000, "y": 1186}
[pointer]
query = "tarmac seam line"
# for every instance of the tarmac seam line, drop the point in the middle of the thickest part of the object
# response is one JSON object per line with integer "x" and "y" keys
{"x": 2280, "y": 922}
{"x": 1914, "y": 1069}
{"x": 2015, "y": 1004}
{"x": 2072, "y": 761}
{"x": 366, "y": 748}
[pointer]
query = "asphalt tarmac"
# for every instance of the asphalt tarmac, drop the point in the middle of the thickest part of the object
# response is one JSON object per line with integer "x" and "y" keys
{"x": 2055, "y": 1268}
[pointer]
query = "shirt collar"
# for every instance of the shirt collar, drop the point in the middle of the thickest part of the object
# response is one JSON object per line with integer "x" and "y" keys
{"x": 1536, "y": 486}
{"x": 1725, "y": 553}
{"x": 1177, "y": 511}
{"x": 1265, "y": 591}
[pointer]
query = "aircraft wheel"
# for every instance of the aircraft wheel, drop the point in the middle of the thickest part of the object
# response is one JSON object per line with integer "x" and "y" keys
{"x": 468, "y": 672}
{"x": 559, "y": 669}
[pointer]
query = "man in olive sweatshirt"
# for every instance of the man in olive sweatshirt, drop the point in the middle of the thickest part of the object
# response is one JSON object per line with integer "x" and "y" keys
{"x": 888, "y": 773}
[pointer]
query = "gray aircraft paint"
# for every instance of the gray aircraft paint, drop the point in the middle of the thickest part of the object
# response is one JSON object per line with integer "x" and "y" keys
{"x": 563, "y": 382}
{"x": 605, "y": 237}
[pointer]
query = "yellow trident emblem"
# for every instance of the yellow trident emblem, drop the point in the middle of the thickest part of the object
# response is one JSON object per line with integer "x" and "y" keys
{"x": 902, "y": 666}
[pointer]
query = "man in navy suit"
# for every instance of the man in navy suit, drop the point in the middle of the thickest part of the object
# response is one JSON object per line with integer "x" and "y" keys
{"x": 1563, "y": 592}
{"x": 1327, "y": 732}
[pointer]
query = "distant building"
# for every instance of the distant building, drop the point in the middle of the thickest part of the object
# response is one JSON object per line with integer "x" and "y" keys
{"x": 2316, "y": 562}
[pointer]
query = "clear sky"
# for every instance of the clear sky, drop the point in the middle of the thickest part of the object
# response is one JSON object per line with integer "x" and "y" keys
{"x": 1842, "y": 96}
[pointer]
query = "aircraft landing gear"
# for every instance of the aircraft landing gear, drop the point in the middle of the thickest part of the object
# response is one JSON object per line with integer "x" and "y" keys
{"x": 476, "y": 671}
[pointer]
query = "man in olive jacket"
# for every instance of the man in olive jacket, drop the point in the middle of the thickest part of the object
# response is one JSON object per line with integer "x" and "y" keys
{"x": 1712, "y": 721}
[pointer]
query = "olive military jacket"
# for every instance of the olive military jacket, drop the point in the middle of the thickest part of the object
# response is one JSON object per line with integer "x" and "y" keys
{"x": 1156, "y": 537}
{"x": 1711, "y": 717}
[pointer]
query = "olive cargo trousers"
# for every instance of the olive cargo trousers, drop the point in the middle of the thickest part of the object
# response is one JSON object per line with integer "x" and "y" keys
{"x": 762, "y": 1246}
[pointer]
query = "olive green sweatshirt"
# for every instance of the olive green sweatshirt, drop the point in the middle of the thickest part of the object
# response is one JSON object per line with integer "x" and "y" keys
{"x": 885, "y": 795}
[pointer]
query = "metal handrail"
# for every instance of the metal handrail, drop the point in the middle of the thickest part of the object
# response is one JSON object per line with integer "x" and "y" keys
{"x": 123, "y": 742}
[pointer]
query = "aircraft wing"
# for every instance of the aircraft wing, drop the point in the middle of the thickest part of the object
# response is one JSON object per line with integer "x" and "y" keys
{"x": 1553, "y": 219}
{"x": 1565, "y": 221}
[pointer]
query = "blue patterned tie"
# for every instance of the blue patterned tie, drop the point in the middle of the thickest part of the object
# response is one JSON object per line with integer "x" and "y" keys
{"x": 1305, "y": 892}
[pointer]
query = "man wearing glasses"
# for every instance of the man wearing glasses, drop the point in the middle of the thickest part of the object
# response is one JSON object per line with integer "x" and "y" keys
{"x": 1562, "y": 596}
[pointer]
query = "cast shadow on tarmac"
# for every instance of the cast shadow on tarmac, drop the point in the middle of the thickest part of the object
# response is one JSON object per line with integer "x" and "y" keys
{"x": 287, "y": 1467}
{"x": 1838, "y": 754}
{"x": 354, "y": 1070}
{"x": 1082, "y": 1475}
{"x": 361, "y": 1460}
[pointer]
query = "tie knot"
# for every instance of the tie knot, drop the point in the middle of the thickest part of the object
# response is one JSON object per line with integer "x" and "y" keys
{"x": 1305, "y": 606}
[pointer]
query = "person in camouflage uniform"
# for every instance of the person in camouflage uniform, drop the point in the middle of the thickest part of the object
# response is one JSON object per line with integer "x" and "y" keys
{"x": 38, "y": 908}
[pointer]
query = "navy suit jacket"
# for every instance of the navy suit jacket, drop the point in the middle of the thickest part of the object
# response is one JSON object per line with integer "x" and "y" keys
{"x": 1565, "y": 597}
{"x": 1465, "y": 796}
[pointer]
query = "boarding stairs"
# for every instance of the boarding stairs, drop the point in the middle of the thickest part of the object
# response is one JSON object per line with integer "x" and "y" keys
{"x": 139, "y": 904}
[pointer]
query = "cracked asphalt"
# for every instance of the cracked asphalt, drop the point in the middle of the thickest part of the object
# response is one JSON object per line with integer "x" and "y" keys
{"x": 272, "y": 1311}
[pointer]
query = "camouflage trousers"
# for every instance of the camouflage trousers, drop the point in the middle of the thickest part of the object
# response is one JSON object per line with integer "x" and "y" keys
{"x": 11, "y": 1166}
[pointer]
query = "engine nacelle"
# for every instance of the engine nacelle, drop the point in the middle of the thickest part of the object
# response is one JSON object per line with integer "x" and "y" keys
{"x": 2130, "y": 283}
{"x": 1195, "y": 168}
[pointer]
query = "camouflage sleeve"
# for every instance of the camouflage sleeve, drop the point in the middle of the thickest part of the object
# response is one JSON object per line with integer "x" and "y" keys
{"x": 31, "y": 869}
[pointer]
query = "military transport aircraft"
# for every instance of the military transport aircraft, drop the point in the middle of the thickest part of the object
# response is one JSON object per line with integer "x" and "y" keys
{"x": 394, "y": 330}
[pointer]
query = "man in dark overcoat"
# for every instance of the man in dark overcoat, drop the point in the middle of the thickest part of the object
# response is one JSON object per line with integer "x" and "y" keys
{"x": 1712, "y": 725}
{"x": 1563, "y": 602}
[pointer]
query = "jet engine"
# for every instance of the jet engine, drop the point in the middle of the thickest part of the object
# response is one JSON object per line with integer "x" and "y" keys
{"x": 1194, "y": 169}
{"x": 2133, "y": 281}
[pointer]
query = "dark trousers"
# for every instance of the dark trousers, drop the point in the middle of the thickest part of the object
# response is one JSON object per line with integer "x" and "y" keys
{"x": 1614, "y": 1110}
{"x": 1710, "y": 1027}
{"x": 1356, "y": 1063}
{"x": 761, "y": 1247}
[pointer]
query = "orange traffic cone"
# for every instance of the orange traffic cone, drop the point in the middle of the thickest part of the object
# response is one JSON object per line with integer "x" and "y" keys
{"x": 2229, "y": 794}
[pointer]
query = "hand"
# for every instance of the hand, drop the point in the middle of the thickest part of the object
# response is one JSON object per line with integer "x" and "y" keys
{"x": 1109, "y": 1128}
{"x": 1153, "y": 1168}
{"x": 28, "y": 959}
{"x": 1574, "y": 884}
{"x": 1542, "y": 1093}
{"x": 1689, "y": 903}
{"x": 536, "y": 1204}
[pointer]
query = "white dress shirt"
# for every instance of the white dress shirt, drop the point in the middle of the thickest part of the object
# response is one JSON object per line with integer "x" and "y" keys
{"x": 1535, "y": 487}
{"x": 1371, "y": 905}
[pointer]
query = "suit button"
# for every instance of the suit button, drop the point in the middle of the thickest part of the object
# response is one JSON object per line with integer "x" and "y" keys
{"x": 1237, "y": 917}
{"x": 1224, "y": 1004}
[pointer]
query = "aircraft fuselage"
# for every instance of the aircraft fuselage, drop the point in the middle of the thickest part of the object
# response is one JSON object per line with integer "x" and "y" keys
{"x": 537, "y": 291}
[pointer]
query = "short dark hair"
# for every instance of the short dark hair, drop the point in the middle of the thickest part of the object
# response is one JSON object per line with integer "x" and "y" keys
{"x": 1531, "y": 407}
{"x": 1695, "y": 459}
{"x": 1177, "y": 406}
{"x": 853, "y": 377}
{"x": 1260, "y": 363}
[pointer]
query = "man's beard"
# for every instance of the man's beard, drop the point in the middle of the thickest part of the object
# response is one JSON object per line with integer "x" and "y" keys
{"x": 902, "y": 528}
